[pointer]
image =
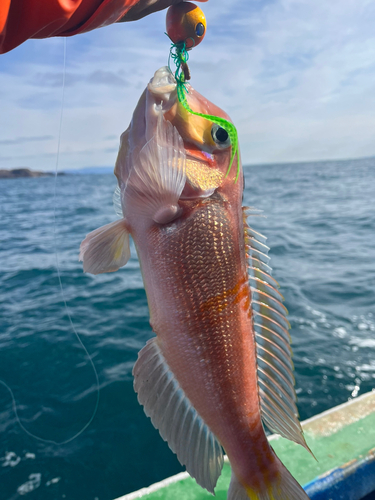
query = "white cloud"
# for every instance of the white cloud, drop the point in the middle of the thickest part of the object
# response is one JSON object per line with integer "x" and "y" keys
{"x": 297, "y": 77}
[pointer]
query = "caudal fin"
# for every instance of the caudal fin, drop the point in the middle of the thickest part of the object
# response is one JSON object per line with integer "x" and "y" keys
{"x": 284, "y": 488}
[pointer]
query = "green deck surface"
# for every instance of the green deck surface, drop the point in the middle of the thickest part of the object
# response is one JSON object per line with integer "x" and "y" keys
{"x": 343, "y": 434}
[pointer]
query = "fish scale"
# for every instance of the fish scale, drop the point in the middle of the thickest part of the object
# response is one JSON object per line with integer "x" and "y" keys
{"x": 205, "y": 276}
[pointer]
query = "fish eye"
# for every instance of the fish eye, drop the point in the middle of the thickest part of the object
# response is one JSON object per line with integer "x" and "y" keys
{"x": 220, "y": 136}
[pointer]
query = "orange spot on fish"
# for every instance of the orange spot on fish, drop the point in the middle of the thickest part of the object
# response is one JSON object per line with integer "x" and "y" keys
{"x": 240, "y": 293}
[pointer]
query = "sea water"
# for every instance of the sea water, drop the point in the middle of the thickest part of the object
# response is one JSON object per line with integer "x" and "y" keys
{"x": 321, "y": 229}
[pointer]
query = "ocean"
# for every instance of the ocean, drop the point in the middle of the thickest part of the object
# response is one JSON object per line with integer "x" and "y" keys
{"x": 320, "y": 226}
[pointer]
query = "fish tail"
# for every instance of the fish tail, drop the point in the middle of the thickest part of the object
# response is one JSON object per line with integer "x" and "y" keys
{"x": 282, "y": 487}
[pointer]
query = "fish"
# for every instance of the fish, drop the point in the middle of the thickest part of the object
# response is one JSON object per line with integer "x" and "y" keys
{"x": 219, "y": 367}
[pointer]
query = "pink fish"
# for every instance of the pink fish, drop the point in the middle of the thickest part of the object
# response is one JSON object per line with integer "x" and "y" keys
{"x": 220, "y": 364}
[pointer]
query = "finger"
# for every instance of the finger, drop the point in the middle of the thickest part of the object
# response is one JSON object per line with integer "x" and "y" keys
{"x": 145, "y": 7}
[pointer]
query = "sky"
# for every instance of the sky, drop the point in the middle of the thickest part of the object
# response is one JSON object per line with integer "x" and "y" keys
{"x": 297, "y": 78}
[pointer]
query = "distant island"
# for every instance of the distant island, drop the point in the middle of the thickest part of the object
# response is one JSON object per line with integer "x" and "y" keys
{"x": 24, "y": 172}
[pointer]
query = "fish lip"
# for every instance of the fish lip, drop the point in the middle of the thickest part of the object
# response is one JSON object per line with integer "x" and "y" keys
{"x": 193, "y": 153}
{"x": 163, "y": 82}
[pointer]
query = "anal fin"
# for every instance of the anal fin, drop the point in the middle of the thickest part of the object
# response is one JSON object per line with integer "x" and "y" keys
{"x": 172, "y": 414}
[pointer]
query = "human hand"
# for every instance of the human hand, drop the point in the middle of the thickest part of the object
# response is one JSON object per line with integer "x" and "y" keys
{"x": 145, "y": 7}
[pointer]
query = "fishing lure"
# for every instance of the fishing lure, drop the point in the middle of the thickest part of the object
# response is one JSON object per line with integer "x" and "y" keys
{"x": 186, "y": 27}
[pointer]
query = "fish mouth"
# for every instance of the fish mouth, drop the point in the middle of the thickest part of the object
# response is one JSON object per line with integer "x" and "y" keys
{"x": 202, "y": 178}
{"x": 194, "y": 153}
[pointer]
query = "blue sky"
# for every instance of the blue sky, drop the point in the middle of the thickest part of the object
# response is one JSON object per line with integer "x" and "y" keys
{"x": 296, "y": 76}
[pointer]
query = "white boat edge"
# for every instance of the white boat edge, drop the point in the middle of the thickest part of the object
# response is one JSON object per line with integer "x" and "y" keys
{"x": 184, "y": 475}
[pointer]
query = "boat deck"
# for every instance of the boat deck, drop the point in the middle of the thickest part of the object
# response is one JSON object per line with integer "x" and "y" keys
{"x": 343, "y": 441}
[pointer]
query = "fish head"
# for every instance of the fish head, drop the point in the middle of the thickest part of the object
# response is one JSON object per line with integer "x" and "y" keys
{"x": 210, "y": 167}
{"x": 175, "y": 158}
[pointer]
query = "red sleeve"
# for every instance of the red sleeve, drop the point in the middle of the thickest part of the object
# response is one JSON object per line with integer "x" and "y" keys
{"x": 23, "y": 19}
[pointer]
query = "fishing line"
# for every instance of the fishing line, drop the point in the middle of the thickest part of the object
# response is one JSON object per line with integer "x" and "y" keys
{"x": 14, "y": 404}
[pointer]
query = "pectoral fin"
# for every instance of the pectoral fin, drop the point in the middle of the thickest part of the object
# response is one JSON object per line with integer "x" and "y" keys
{"x": 106, "y": 249}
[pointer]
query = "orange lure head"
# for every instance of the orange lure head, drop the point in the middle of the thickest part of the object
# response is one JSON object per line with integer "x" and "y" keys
{"x": 186, "y": 23}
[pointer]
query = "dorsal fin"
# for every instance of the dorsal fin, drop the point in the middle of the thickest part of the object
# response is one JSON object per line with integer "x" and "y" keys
{"x": 173, "y": 415}
{"x": 275, "y": 378}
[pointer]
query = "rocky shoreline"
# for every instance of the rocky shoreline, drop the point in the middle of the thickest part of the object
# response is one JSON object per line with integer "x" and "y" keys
{"x": 24, "y": 172}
